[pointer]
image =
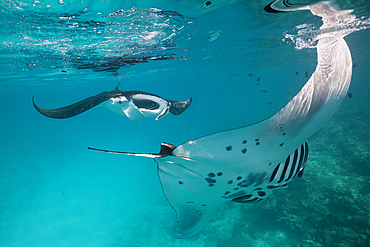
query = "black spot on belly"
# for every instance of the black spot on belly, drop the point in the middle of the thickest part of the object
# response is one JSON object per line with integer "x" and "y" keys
{"x": 180, "y": 182}
{"x": 211, "y": 185}
{"x": 284, "y": 134}
{"x": 257, "y": 140}
{"x": 230, "y": 182}
{"x": 236, "y": 188}
{"x": 227, "y": 192}
{"x": 244, "y": 150}
{"x": 228, "y": 148}
{"x": 208, "y": 3}
{"x": 211, "y": 174}
{"x": 281, "y": 144}
{"x": 239, "y": 177}
{"x": 203, "y": 205}
{"x": 272, "y": 187}
{"x": 219, "y": 174}
{"x": 242, "y": 198}
{"x": 190, "y": 202}
{"x": 245, "y": 142}
{"x": 257, "y": 143}
{"x": 261, "y": 193}
{"x": 211, "y": 180}
{"x": 257, "y": 189}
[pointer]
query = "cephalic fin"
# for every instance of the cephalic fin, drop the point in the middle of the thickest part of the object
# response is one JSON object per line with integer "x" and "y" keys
{"x": 166, "y": 150}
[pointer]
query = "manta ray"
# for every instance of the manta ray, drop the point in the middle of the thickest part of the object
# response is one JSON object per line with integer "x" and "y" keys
{"x": 247, "y": 164}
{"x": 136, "y": 105}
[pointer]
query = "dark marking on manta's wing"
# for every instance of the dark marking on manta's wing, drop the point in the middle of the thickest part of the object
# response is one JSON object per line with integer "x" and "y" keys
{"x": 134, "y": 104}
{"x": 294, "y": 164}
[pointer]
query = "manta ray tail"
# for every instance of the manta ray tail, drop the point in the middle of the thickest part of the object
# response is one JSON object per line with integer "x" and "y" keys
{"x": 178, "y": 107}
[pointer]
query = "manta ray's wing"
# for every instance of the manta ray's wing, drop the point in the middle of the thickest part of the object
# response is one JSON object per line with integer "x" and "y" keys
{"x": 76, "y": 108}
{"x": 178, "y": 107}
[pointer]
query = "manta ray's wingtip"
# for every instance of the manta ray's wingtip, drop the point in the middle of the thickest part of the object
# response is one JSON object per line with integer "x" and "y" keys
{"x": 55, "y": 113}
{"x": 40, "y": 110}
{"x": 33, "y": 100}
{"x": 178, "y": 107}
{"x": 34, "y": 104}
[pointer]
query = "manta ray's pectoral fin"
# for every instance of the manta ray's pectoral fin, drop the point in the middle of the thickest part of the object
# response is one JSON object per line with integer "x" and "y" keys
{"x": 178, "y": 107}
{"x": 74, "y": 109}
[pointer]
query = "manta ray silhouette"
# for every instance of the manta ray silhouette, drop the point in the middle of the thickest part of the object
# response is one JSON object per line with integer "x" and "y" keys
{"x": 136, "y": 105}
{"x": 247, "y": 164}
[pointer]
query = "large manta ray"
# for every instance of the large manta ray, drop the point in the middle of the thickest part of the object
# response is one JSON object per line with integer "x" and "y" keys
{"x": 136, "y": 105}
{"x": 247, "y": 164}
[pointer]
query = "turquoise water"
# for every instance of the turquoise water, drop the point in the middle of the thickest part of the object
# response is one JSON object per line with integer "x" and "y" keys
{"x": 55, "y": 192}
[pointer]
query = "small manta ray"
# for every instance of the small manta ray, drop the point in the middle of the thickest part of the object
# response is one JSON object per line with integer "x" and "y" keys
{"x": 136, "y": 105}
{"x": 247, "y": 164}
